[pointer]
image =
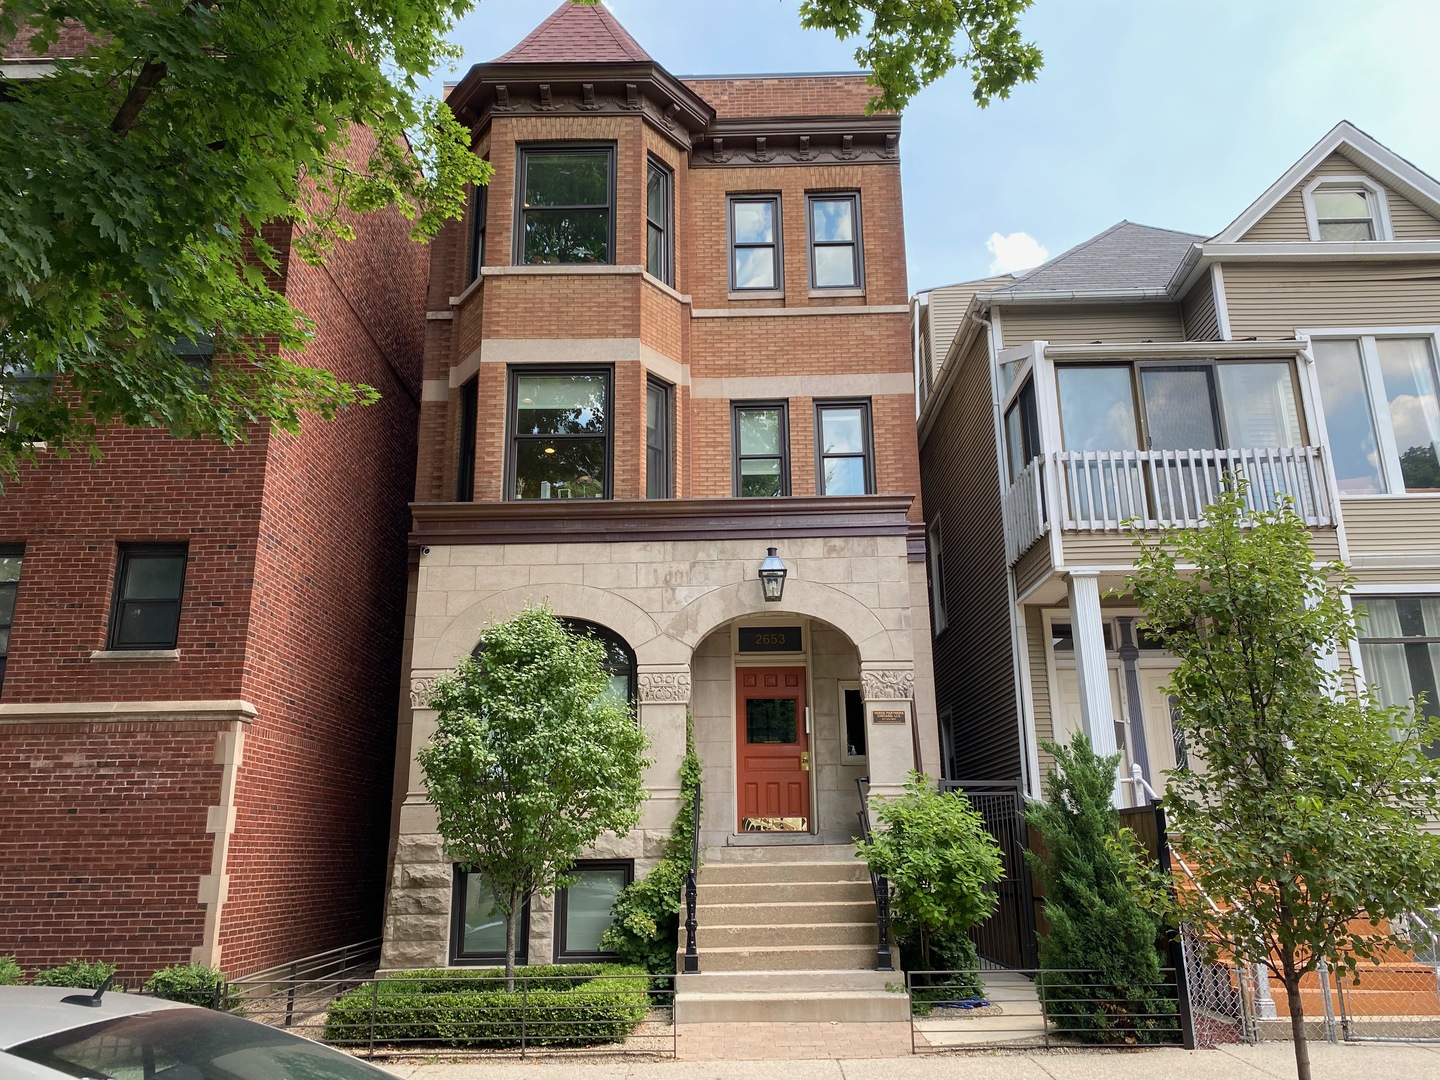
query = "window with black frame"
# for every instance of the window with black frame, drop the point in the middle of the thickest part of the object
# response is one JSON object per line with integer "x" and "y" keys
{"x": 1022, "y": 431}
{"x": 566, "y": 205}
{"x": 835, "y": 261}
{"x": 149, "y": 583}
{"x": 619, "y": 659}
{"x": 465, "y": 463}
{"x": 10, "y": 559}
{"x": 477, "y": 932}
{"x": 755, "y": 263}
{"x": 584, "y": 909}
{"x": 659, "y": 203}
{"x": 560, "y": 434}
{"x": 659, "y": 442}
{"x": 842, "y": 430}
{"x": 479, "y": 211}
{"x": 761, "y": 438}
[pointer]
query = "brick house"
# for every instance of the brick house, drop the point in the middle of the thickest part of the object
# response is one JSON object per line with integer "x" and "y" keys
{"x": 671, "y": 336}
{"x": 198, "y": 654}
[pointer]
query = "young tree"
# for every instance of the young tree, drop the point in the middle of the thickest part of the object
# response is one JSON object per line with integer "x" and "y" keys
{"x": 940, "y": 860}
{"x": 1305, "y": 818}
{"x": 1101, "y": 942}
{"x": 532, "y": 759}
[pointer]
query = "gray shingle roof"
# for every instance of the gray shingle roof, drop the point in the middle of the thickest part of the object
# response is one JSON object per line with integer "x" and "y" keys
{"x": 1125, "y": 258}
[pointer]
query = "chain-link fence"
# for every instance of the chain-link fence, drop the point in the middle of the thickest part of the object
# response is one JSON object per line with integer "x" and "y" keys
{"x": 1394, "y": 1002}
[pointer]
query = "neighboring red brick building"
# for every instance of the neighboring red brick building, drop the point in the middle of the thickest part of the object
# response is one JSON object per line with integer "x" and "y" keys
{"x": 197, "y": 708}
{"x": 666, "y": 289}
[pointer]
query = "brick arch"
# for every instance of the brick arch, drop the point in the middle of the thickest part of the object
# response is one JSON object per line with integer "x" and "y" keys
{"x": 626, "y": 619}
{"x": 705, "y": 614}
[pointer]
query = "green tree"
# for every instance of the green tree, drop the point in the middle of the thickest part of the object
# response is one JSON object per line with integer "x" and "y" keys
{"x": 940, "y": 860}
{"x": 137, "y": 183}
{"x": 532, "y": 759}
{"x": 1305, "y": 819}
{"x": 1101, "y": 945}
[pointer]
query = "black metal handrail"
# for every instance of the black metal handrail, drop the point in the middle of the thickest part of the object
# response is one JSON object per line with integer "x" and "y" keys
{"x": 692, "y": 955}
{"x": 884, "y": 961}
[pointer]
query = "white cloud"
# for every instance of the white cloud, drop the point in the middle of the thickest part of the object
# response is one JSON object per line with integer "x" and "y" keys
{"x": 1018, "y": 251}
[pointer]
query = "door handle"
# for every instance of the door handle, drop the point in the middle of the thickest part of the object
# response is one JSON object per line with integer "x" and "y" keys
{"x": 805, "y": 761}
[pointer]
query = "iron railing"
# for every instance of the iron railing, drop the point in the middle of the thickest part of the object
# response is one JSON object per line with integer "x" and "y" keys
{"x": 884, "y": 958}
{"x": 692, "y": 891}
{"x": 277, "y": 995}
{"x": 1007, "y": 937}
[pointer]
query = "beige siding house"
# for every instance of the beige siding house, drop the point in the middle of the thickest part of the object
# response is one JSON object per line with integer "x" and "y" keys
{"x": 1119, "y": 382}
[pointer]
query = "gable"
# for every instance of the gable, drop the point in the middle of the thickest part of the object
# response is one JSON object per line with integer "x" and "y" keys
{"x": 1285, "y": 222}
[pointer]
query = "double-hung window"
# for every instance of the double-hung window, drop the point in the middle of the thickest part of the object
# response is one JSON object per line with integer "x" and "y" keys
{"x": 1381, "y": 397}
{"x": 835, "y": 261}
{"x": 659, "y": 213}
{"x": 755, "y": 243}
{"x": 567, "y": 202}
{"x": 760, "y": 434}
{"x": 659, "y": 439}
{"x": 469, "y": 419}
{"x": 1400, "y": 650}
{"x": 1022, "y": 431}
{"x": 560, "y": 433}
{"x": 935, "y": 564}
{"x": 149, "y": 582}
{"x": 10, "y": 559}
{"x": 479, "y": 209}
{"x": 584, "y": 908}
{"x": 20, "y": 387}
{"x": 1346, "y": 209}
{"x": 843, "y": 448}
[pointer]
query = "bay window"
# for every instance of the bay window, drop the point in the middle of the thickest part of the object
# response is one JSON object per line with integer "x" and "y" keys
{"x": 566, "y": 212}
{"x": 559, "y": 434}
{"x": 1382, "y": 412}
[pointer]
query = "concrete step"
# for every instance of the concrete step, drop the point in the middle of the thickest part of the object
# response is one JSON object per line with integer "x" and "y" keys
{"x": 787, "y": 982}
{"x": 796, "y": 958}
{"x": 808, "y": 913}
{"x": 785, "y": 892}
{"x": 842, "y": 1006}
{"x": 746, "y": 873}
{"x": 769, "y": 852}
{"x": 786, "y": 935}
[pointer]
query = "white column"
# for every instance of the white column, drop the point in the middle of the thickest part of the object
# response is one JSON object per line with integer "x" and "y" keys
{"x": 1091, "y": 667}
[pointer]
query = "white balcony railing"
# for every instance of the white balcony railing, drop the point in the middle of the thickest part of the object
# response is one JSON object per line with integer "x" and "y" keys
{"x": 1154, "y": 488}
{"x": 1103, "y": 490}
{"x": 1023, "y": 506}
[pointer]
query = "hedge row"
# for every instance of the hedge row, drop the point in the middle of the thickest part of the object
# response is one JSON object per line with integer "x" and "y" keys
{"x": 550, "y": 1006}
{"x": 194, "y": 984}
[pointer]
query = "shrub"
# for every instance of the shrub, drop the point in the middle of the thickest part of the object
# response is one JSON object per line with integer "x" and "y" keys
{"x": 194, "y": 984}
{"x": 645, "y": 920}
{"x": 1100, "y": 966}
{"x": 83, "y": 974}
{"x": 10, "y": 972}
{"x": 552, "y": 1005}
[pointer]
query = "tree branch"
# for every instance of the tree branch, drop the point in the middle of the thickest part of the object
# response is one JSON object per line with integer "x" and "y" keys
{"x": 151, "y": 75}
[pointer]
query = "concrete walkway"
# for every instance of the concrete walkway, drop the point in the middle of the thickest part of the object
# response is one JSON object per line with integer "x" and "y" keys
{"x": 1268, "y": 1061}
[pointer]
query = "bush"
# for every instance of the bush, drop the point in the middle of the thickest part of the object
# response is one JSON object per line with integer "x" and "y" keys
{"x": 193, "y": 984}
{"x": 570, "y": 1007}
{"x": 645, "y": 920}
{"x": 1100, "y": 966}
{"x": 83, "y": 974}
{"x": 11, "y": 973}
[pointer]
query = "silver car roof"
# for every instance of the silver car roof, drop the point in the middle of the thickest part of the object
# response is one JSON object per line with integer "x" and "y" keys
{"x": 31, "y": 1012}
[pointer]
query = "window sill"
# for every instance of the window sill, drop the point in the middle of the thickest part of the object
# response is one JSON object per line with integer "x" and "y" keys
{"x": 144, "y": 655}
{"x": 561, "y": 269}
{"x": 757, "y": 294}
{"x": 819, "y": 294}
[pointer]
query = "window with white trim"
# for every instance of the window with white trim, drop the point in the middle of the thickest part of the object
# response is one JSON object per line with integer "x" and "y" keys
{"x": 1400, "y": 649}
{"x": 1381, "y": 399}
{"x": 1346, "y": 209}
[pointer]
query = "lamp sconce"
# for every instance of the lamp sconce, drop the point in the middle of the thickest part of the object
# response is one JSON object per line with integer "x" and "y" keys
{"x": 772, "y": 577}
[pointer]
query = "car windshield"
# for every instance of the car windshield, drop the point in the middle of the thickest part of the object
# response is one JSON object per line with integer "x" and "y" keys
{"x": 190, "y": 1044}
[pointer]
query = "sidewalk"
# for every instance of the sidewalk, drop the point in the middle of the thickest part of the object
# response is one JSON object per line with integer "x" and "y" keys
{"x": 1267, "y": 1061}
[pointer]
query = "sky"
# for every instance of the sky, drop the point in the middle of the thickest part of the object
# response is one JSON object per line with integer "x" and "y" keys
{"x": 1171, "y": 113}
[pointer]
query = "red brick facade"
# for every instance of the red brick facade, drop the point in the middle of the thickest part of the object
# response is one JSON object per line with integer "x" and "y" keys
{"x": 294, "y": 593}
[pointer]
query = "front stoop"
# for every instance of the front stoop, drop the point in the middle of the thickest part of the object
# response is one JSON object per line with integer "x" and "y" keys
{"x": 787, "y": 935}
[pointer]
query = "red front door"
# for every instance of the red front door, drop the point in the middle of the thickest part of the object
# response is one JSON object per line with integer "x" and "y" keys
{"x": 773, "y": 763}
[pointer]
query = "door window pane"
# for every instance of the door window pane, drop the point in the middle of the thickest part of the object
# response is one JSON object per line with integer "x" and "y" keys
{"x": 1348, "y": 420}
{"x": 1408, "y": 370}
{"x": 1258, "y": 401}
{"x": 771, "y": 720}
{"x": 1179, "y": 409}
{"x": 588, "y": 906}
{"x": 1097, "y": 408}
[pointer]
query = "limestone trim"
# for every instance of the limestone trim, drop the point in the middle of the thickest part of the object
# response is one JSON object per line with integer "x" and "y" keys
{"x": 435, "y": 390}
{"x": 214, "y": 887}
{"x": 792, "y": 312}
{"x": 136, "y": 655}
{"x": 887, "y": 683}
{"x": 422, "y": 685}
{"x": 743, "y": 599}
{"x": 664, "y": 686}
{"x": 126, "y": 712}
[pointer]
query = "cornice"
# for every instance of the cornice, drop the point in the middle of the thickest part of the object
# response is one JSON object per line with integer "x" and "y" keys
{"x": 611, "y": 520}
{"x": 799, "y": 140}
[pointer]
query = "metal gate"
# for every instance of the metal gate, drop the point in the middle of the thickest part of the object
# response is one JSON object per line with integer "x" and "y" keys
{"x": 1006, "y": 938}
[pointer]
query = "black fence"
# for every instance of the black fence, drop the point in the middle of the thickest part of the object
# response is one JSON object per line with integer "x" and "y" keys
{"x": 1006, "y": 938}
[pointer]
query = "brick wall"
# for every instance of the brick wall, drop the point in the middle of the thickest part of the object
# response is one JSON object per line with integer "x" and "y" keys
{"x": 786, "y": 95}
{"x": 103, "y": 842}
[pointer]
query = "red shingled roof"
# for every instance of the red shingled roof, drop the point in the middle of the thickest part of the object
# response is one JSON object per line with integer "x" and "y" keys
{"x": 577, "y": 34}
